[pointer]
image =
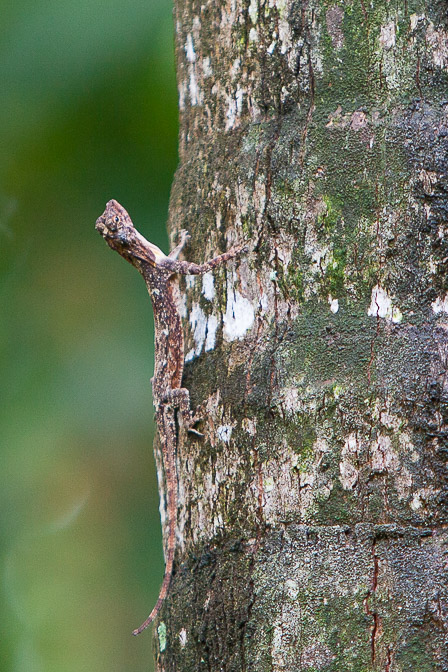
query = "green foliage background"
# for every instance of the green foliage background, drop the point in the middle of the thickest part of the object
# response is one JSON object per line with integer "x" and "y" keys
{"x": 89, "y": 113}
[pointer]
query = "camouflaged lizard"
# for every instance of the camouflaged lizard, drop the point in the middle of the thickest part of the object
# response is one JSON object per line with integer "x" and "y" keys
{"x": 158, "y": 271}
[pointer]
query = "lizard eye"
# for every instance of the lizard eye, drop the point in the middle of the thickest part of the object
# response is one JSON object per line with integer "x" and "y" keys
{"x": 117, "y": 219}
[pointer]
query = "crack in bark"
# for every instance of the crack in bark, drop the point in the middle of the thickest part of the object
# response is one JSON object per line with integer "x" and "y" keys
{"x": 376, "y": 625}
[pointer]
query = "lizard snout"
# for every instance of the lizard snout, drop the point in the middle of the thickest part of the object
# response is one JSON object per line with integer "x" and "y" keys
{"x": 100, "y": 225}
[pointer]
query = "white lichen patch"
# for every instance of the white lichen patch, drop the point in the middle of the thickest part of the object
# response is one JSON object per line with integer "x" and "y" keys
{"x": 183, "y": 305}
{"x": 235, "y": 68}
{"x": 250, "y": 425}
{"x": 268, "y": 484}
{"x": 161, "y": 632}
{"x": 253, "y": 35}
{"x": 198, "y": 322}
{"x": 432, "y": 265}
{"x": 297, "y": 397}
{"x": 390, "y": 421}
{"x": 416, "y": 502}
{"x": 383, "y": 456}
{"x": 381, "y": 412}
{"x": 183, "y": 637}
{"x": 440, "y": 305}
{"x": 421, "y": 497}
{"x": 291, "y": 589}
{"x": 182, "y": 90}
{"x": 381, "y": 306}
{"x": 253, "y": 11}
{"x": 212, "y": 326}
{"x": 234, "y": 108}
{"x": 438, "y": 45}
{"x": 189, "y": 49}
{"x": 224, "y": 433}
{"x": 284, "y": 35}
{"x": 231, "y": 113}
{"x": 239, "y": 316}
{"x": 334, "y": 304}
{"x": 218, "y": 523}
{"x": 387, "y": 35}
{"x": 381, "y": 303}
{"x": 291, "y": 400}
{"x": 349, "y": 473}
{"x": 207, "y": 70}
{"x": 403, "y": 483}
{"x": 208, "y": 286}
{"x": 193, "y": 85}
{"x": 263, "y": 303}
{"x": 307, "y": 478}
{"x": 193, "y": 89}
{"x": 239, "y": 97}
{"x": 407, "y": 446}
{"x": 320, "y": 257}
{"x": 277, "y": 648}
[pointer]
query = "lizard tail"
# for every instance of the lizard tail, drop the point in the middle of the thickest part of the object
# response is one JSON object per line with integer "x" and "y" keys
{"x": 163, "y": 591}
{"x": 170, "y": 473}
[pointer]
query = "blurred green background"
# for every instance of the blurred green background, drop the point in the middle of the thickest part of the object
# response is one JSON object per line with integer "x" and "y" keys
{"x": 89, "y": 113}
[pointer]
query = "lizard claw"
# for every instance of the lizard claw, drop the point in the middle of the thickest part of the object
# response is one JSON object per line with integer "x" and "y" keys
{"x": 194, "y": 431}
{"x": 194, "y": 419}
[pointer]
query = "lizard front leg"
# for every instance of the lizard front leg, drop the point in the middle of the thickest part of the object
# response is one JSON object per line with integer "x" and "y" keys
{"x": 189, "y": 268}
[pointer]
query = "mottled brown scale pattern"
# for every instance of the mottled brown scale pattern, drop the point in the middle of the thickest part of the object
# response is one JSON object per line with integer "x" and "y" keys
{"x": 169, "y": 341}
{"x": 158, "y": 271}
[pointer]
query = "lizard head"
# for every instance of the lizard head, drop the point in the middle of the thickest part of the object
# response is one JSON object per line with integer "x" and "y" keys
{"x": 114, "y": 223}
{"x": 118, "y": 231}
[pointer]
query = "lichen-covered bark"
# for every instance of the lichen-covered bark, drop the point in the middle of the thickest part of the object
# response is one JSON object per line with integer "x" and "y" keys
{"x": 313, "y": 523}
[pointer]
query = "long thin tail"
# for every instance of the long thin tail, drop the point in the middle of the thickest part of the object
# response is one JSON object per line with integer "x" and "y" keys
{"x": 171, "y": 486}
{"x": 162, "y": 594}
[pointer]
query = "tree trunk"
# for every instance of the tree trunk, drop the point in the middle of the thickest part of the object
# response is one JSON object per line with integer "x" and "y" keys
{"x": 312, "y": 530}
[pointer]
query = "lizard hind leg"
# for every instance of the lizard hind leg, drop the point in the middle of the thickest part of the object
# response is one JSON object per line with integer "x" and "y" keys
{"x": 179, "y": 398}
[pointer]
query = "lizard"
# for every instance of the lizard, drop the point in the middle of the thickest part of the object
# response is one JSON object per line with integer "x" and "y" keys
{"x": 158, "y": 271}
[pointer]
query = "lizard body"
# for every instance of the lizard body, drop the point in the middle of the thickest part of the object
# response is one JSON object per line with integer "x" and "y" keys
{"x": 158, "y": 271}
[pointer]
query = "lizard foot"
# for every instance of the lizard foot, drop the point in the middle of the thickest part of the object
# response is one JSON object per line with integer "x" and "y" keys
{"x": 180, "y": 398}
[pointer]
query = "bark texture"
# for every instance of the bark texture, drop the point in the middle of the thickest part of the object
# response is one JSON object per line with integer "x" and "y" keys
{"x": 312, "y": 530}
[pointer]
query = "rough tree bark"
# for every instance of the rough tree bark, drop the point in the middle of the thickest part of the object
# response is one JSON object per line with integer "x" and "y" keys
{"x": 312, "y": 526}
